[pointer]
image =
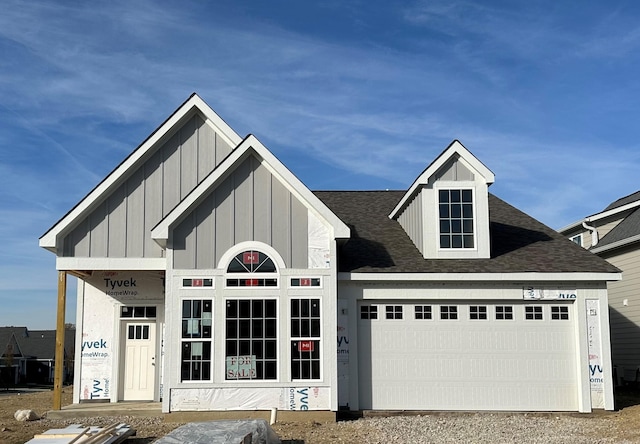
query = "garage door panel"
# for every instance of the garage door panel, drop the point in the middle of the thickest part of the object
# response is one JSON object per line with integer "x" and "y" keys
{"x": 467, "y": 364}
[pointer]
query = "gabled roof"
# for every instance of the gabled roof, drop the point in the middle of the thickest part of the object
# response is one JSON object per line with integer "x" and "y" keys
{"x": 519, "y": 243}
{"x": 250, "y": 145}
{"x": 9, "y": 336}
{"x": 191, "y": 106}
{"x": 454, "y": 149}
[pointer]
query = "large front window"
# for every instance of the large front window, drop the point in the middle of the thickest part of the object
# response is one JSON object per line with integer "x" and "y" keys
{"x": 251, "y": 343}
{"x": 456, "y": 218}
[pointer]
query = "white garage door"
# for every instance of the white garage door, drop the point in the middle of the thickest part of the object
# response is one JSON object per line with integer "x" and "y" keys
{"x": 467, "y": 356}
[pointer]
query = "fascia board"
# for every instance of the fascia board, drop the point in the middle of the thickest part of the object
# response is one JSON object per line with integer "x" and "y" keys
{"x": 571, "y": 226}
{"x": 454, "y": 148}
{"x": 160, "y": 233}
{"x": 614, "y": 245}
{"x": 470, "y": 277}
{"x": 102, "y": 263}
{"x": 49, "y": 239}
{"x": 613, "y": 211}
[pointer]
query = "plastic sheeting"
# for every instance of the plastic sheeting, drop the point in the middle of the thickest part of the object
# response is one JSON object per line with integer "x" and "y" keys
{"x": 248, "y": 398}
{"x": 222, "y": 432}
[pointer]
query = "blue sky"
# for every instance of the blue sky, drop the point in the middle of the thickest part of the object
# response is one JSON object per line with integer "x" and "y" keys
{"x": 349, "y": 95}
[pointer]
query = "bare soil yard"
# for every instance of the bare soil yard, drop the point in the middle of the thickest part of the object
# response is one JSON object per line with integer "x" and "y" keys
{"x": 622, "y": 425}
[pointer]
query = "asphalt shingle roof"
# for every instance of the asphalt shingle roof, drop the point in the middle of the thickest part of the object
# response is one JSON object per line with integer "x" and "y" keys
{"x": 623, "y": 201}
{"x": 628, "y": 227}
{"x": 519, "y": 243}
{"x": 39, "y": 344}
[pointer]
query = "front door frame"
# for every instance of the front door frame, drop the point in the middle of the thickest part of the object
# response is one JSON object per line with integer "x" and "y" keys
{"x": 122, "y": 340}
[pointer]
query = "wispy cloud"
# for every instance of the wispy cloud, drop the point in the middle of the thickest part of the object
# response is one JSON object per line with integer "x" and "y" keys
{"x": 363, "y": 95}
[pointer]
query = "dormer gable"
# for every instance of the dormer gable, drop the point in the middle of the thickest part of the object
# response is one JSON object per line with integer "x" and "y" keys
{"x": 445, "y": 212}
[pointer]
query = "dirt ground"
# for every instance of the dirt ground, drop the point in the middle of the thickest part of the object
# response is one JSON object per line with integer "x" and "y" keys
{"x": 623, "y": 424}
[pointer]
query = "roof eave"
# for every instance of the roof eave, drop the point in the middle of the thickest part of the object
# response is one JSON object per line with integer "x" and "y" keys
{"x": 615, "y": 245}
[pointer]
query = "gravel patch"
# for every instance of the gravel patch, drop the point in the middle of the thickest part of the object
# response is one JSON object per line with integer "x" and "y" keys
{"x": 488, "y": 428}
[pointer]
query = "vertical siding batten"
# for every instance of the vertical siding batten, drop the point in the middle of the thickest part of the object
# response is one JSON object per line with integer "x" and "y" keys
{"x": 299, "y": 235}
{"x": 117, "y": 222}
{"x": 135, "y": 215}
{"x": 243, "y": 191}
{"x": 280, "y": 223}
{"x": 262, "y": 212}
{"x": 153, "y": 199}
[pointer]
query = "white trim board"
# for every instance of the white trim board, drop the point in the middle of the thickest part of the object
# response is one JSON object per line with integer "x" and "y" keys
{"x": 470, "y": 277}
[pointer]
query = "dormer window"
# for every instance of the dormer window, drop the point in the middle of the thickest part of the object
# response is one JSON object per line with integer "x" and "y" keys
{"x": 445, "y": 212}
{"x": 456, "y": 218}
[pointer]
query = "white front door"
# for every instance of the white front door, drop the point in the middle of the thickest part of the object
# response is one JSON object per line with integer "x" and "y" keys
{"x": 139, "y": 361}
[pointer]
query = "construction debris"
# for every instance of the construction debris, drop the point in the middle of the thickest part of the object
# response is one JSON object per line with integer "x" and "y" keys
{"x": 246, "y": 431}
{"x": 79, "y": 434}
{"x": 26, "y": 415}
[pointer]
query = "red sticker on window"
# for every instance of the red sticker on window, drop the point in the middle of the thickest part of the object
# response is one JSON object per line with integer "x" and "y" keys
{"x": 250, "y": 282}
{"x": 250, "y": 257}
{"x": 305, "y": 282}
{"x": 305, "y": 346}
{"x": 197, "y": 282}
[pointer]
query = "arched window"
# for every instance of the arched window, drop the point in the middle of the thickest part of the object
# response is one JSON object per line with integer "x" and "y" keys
{"x": 254, "y": 263}
{"x": 251, "y": 262}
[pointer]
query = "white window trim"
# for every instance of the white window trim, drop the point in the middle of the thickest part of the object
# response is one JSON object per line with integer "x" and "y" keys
{"x": 458, "y": 186}
{"x": 275, "y": 276}
{"x": 291, "y": 339}
{"x": 310, "y": 287}
{"x": 577, "y": 236}
{"x": 486, "y": 312}
{"x": 524, "y": 312}
{"x": 183, "y": 287}
{"x": 458, "y": 312}
{"x": 432, "y": 318}
{"x": 495, "y": 313}
{"x": 223, "y": 363}
{"x": 211, "y": 340}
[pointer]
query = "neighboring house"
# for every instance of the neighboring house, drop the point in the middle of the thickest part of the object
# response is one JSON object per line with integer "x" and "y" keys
{"x": 28, "y": 356}
{"x": 211, "y": 278}
{"x": 614, "y": 235}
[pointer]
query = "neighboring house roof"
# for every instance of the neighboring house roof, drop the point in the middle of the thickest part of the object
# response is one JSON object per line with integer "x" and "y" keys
{"x": 519, "y": 243}
{"x": 626, "y": 232}
{"x": 623, "y": 201}
{"x": 8, "y": 336}
{"x": 39, "y": 344}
